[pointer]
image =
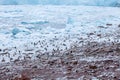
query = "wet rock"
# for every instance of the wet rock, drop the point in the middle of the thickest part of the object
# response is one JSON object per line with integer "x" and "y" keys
{"x": 0, "y": 50}
{"x": 35, "y": 66}
{"x": 99, "y": 35}
{"x": 102, "y": 27}
{"x": 108, "y": 24}
{"x": 119, "y": 25}
{"x": 51, "y": 63}
{"x": 91, "y": 33}
{"x": 118, "y": 50}
{"x": 69, "y": 68}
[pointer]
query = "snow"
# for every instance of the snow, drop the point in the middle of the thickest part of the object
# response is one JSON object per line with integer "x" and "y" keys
{"x": 63, "y": 2}
{"x": 47, "y": 28}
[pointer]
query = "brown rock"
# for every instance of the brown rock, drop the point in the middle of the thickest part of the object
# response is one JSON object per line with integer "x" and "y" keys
{"x": 75, "y": 62}
{"x": 23, "y": 77}
{"x": 92, "y": 67}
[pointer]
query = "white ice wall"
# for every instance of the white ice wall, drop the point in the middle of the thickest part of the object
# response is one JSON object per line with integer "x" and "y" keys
{"x": 63, "y": 2}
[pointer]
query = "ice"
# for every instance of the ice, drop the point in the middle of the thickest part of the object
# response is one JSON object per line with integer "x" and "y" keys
{"x": 70, "y": 20}
{"x": 15, "y": 31}
{"x": 39, "y": 22}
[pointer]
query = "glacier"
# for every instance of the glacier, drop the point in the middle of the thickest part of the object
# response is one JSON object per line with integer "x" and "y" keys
{"x": 62, "y": 2}
{"x": 25, "y": 26}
